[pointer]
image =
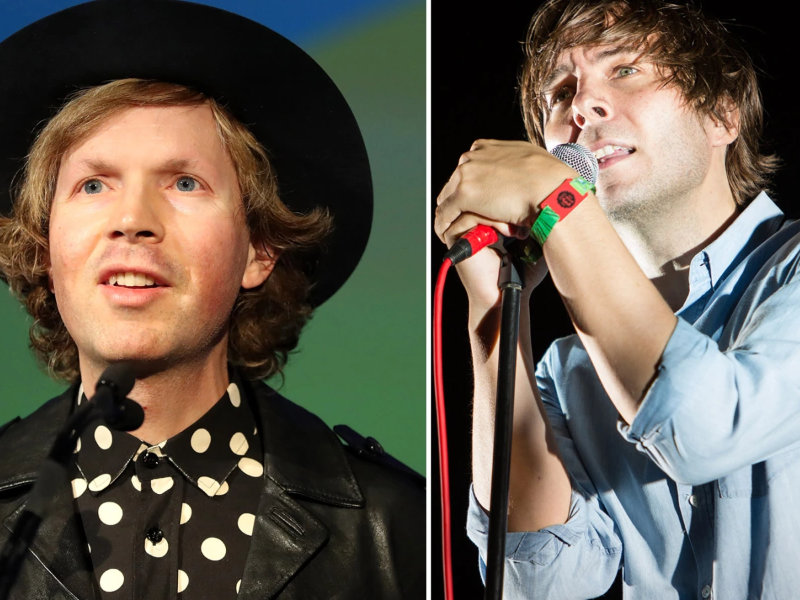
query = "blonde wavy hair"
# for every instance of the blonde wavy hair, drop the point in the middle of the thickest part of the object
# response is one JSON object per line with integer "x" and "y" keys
{"x": 266, "y": 321}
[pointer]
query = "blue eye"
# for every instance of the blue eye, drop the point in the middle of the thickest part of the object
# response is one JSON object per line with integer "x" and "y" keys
{"x": 93, "y": 186}
{"x": 186, "y": 184}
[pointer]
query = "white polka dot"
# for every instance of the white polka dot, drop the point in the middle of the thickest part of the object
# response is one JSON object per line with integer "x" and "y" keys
{"x": 246, "y": 522}
{"x": 201, "y": 440}
{"x": 111, "y": 580}
{"x": 223, "y": 489}
{"x": 162, "y": 484}
{"x": 77, "y": 446}
{"x": 102, "y": 435}
{"x": 239, "y": 444}
{"x": 183, "y": 581}
{"x": 208, "y": 485}
{"x": 78, "y": 487}
{"x": 110, "y": 513}
{"x": 213, "y": 548}
{"x": 158, "y": 550}
{"x": 233, "y": 394}
{"x": 251, "y": 467}
{"x": 136, "y": 483}
{"x": 100, "y": 482}
{"x": 186, "y": 513}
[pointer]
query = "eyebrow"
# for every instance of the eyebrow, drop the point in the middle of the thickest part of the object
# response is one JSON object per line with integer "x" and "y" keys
{"x": 95, "y": 165}
{"x": 563, "y": 69}
{"x": 100, "y": 165}
{"x": 178, "y": 164}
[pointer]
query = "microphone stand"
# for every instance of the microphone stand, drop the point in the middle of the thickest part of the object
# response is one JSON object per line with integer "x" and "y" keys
{"x": 511, "y": 284}
{"x": 51, "y": 479}
{"x": 121, "y": 413}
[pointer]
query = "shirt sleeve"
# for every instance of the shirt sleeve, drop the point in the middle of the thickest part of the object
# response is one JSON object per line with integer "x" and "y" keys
{"x": 543, "y": 564}
{"x": 711, "y": 411}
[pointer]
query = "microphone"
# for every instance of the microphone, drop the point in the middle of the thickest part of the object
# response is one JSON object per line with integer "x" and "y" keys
{"x": 119, "y": 412}
{"x": 476, "y": 239}
{"x": 579, "y": 158}
{"x": 110, "y": 393}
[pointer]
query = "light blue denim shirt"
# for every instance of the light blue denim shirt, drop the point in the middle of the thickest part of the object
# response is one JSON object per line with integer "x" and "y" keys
{"x": 700, "y": 496}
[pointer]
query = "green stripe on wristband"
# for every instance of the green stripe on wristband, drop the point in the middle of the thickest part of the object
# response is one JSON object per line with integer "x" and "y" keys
{"x": 583, "y": 186}
{"x": 544, "y": 224}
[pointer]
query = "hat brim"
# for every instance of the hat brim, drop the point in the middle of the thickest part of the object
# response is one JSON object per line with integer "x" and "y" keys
{"x": 272, "y": 86}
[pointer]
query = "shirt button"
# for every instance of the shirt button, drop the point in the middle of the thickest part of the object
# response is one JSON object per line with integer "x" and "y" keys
{"x": 150, "y": 460}
{"x": 695, "y": 501}
{"x": 155, "y": 535}
{"x": 706, "y": 592}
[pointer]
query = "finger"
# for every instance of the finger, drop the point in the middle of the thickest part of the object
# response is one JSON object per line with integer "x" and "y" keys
{"x": 449, "y": 187}
{"x": 484, "y": 143}
{"x": 467, "y": 221}
{"x": 462, "y": 193}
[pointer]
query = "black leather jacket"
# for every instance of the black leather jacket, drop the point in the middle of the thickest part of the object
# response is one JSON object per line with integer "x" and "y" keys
{"x": 332, "y": 522}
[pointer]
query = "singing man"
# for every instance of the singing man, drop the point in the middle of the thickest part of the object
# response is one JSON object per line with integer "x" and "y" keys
{"x": 663, "y": 438}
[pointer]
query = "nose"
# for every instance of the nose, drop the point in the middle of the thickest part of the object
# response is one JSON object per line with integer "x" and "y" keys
{"x": 590, "y": 106}
{"x": 136, "y": 216}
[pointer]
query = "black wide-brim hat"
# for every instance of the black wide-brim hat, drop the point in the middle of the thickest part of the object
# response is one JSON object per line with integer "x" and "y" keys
{"x": 268, "y": 83}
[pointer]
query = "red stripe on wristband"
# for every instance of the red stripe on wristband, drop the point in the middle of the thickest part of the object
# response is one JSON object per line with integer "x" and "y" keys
{"x": 565, "y": 197}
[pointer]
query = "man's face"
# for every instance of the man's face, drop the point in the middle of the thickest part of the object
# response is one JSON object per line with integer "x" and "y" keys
{"x": 148, "y": 244}
{"x": 651, "y": 147}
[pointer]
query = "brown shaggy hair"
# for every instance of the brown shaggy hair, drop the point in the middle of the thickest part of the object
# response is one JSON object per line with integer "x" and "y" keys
{"x": 266, "y": 321}
{"x": 696, "y": 54}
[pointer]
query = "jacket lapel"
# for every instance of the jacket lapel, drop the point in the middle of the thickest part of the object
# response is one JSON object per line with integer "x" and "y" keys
{"x": 303, "y": 459}
{"x": 58, "y": 555}
{"x": 285, "y": 537}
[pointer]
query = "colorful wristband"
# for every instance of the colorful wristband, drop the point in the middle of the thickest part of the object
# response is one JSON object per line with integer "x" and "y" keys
{"x": 558, "y": 205}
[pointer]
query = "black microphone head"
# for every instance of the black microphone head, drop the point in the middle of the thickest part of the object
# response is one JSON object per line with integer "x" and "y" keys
{"x": 119, "y": 377}
{"x": 128, "y": 416}
{"x": 579, "y": 158}
{"x": 118, "y": 411}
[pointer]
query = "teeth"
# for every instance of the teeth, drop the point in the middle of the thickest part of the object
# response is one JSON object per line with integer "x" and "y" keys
{"x": 131, "y": 280}
{"x": 610, "y": 149}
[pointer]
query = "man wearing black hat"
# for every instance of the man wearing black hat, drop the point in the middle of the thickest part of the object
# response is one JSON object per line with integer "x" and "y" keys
{"x": 151, "y": 227}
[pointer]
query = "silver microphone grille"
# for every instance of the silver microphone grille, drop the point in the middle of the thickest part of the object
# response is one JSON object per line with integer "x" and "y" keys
{"x": 579, "y": 158}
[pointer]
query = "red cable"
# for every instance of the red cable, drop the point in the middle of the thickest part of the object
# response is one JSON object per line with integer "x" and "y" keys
{"x": 444, "y": 470}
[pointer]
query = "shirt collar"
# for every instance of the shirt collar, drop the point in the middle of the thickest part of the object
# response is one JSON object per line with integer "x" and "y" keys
{"x": 205, "y": 453}
{"x": 757, "y": 222}
{"x": 222, "y": 439}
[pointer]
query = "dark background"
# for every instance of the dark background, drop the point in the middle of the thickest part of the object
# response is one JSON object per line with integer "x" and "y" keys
{"x": 475, "y": 60}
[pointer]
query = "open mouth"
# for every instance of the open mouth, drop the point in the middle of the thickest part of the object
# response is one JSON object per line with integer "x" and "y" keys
{"x": 611, "y": 151}
{"x": 131, "y": 280}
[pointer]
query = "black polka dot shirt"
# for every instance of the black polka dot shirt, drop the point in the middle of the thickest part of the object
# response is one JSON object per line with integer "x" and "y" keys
{"x": 173, "y": 519}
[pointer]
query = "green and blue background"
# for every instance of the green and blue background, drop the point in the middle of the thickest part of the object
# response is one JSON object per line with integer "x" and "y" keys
{"x": 361, "y": 359}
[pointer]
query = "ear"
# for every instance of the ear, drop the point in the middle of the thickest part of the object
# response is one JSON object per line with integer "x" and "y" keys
{"x": 260, "y": 261}
{"x": 722, "y": 132}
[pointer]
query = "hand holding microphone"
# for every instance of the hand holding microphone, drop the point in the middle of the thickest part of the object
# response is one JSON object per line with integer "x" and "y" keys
{"x": 480, "y": 236}
{"x": 495, "y": 191}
